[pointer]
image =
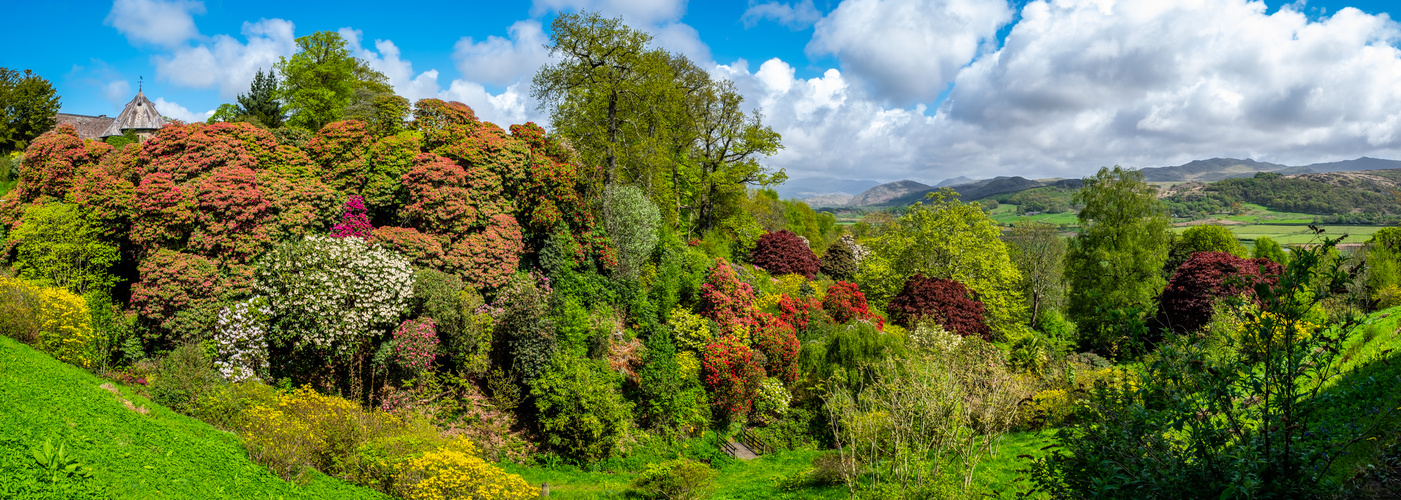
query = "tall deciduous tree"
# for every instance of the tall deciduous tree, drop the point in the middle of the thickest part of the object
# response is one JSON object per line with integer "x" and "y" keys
{"x": 260, "y": 102}
{"x": 28, "y": 107}
{"x": 1115, "y": 263}
{"x": 321, "y": 79}
{"x": 1039, "y": 253}
{"x": 600, "y": 77}
{"x": 946, "y": 239}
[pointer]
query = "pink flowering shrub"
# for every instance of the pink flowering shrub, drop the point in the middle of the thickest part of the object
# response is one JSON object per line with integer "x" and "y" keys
{"x": 354, "y": 222}
{"x": 416, "y": 344}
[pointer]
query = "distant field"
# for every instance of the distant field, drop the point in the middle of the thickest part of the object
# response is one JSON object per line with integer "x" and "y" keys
{"x": 1007, "y": 214}
{"x": 1292, "y": 234}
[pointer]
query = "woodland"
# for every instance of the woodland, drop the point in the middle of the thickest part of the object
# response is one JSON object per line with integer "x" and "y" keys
{"x": 329, "y": 291}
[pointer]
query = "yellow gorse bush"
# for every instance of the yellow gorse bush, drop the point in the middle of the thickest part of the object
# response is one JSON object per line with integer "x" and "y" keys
{"x": 456, "y": 472}
{"x": 305, "y": 429}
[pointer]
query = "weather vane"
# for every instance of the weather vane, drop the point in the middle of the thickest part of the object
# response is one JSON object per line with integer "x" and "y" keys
{"x": 139, "y": 83}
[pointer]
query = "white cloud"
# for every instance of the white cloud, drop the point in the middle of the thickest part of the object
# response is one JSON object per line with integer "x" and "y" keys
{"x": 170, "y": 109}
{"x": 117, "y": 92}
{"x": 796, "y": 16}
{"x": 632, "y": 11}
{"x": 155, "y": 21}
{"x": 503, "y": 61}
{"x": 908, "y": 50}
{"x": 1150, "y": 83}
{"x": 226, "y": 63}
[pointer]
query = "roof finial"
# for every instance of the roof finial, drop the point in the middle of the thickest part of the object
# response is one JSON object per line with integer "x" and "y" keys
{"x": 139, "y": 82}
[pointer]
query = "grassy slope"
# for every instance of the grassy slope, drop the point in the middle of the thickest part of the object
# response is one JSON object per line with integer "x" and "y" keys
{"x": 739, "y": 480}
{"x": 1373, "y": 350}
{"x": 158, "y": 455}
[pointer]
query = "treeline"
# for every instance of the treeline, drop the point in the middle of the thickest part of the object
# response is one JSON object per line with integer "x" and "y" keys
{"x": 1371, "y": 203}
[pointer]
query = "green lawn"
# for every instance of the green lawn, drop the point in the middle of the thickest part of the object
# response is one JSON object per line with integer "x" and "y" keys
{"x": 1006, "y": 214}
{"x": 157, "y": 455}
{"x": 1293, "y": 234}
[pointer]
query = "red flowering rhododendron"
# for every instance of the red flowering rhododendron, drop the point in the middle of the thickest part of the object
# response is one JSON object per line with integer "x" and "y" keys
{"x": 1186, "y": 302}
{"x": 354, "y": 222}
{"x": 941, "y": 300}
{"x": 845, "y": 302}
{"x": 778, "y": 341}
{"x": 732, "y": 374}
{"x": 725, "y": 299}
{"x": 798, "y": 311}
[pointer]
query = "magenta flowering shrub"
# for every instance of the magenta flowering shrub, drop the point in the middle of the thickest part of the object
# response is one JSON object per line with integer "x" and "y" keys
{"x": 354, "y": 222}
{"x": 416, "y": 344}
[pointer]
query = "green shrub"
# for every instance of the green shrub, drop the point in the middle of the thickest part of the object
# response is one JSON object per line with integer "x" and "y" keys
{"x": 184, "y": 377}
{"x": 631, "y": 220}
{"x": 679, "y": 479}
{"x": 581, "y": 412}
{"x": 523, "y": 326}
{"x": 224, "y": 404}
{"x": 672, "y": 399}
{"x": 692, "y": 331}
{"x": 57, "y": 246}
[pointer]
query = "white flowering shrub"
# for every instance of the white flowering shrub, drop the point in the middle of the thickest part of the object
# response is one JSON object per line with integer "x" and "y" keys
{"x": 930, "y": 336}
{"x": 772, "y": 401}
{"x": 332, "y": 293}
{"x": 240, "y": 340}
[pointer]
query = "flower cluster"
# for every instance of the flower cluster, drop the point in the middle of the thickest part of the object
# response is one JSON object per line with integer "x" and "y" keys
{"x": 416, "y": 344}
{"x": 240, "y": 340}
{"x": 845, "y": 302}
{"x": 455, "y": 471}
{"x": 726, "y": 299}
{"x": 772, "y": 400}
{"x": 732, "y": 374}
{"x": 354, "y": 222}
{"x": 331, "y": 293}
{"x": 778, "y": 342}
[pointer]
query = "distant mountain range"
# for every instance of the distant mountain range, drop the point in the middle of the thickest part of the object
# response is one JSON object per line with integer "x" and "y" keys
{"x": 836, "y": 192}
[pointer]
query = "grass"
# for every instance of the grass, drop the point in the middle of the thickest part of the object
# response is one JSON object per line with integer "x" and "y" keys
{"x": 1371, "y": 361}
{"x": 156, "y": 455}
{"x": 736, "y": 480}
{"x": 1285, "y": 234}
{"x": 1006, "y": 214}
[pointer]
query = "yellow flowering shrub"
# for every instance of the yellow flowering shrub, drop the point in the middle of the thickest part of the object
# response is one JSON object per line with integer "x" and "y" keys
{"x": 456, "y": 472}
{"x": 690, "y": 330}
{"x": 1269, "y": 330}
{"x": 688, "y": 365}
{"x": 54, "y": 320}
{"x": 304, "y": 428}
{"x": 1052, "y": 406}
{"x": 788, "y": 284}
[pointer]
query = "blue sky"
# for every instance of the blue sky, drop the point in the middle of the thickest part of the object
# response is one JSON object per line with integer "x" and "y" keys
{"x": 865, "y": 89}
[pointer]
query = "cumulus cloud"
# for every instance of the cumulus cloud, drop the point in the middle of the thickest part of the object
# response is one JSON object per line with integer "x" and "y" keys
{"x": 831, "y": 127}
{"x": 796, "y": 16}
{"x": 908, "y": 50}
{"x": 226, "y": 63}
{"x": 503, "y": 61}
{"x": 1151, "y": 83}
{"x": 168, "y": 23}
{"x": 170, "y": 109}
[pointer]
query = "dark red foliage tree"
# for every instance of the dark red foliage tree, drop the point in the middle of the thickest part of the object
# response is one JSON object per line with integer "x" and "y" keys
{"x": 783, "y": 252}
{"x": 947, "y": 302}
{"x": 845, "y": 302}
{"x": 1186, "y": 303}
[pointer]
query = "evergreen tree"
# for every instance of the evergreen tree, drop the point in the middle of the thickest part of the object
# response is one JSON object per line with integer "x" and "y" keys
{"x": 260, "y": 102}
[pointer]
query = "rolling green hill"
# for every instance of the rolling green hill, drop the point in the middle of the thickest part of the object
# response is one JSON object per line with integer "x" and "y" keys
{"x": 140, "y": 451}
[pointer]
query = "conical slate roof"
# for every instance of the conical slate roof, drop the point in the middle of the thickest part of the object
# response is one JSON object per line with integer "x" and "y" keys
{"x": 139, "y": 114}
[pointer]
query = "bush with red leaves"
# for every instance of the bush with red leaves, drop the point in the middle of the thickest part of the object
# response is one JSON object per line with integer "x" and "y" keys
{"x": 725, "y": 299}
{"x": 732, "y": 374}
{"x": 778, "y": 341}
{"x": 845, "y": 302}
{"x": 1186, "y": 303}
{"x": 783, "y": 252}
{"x": 941, "y": 300}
